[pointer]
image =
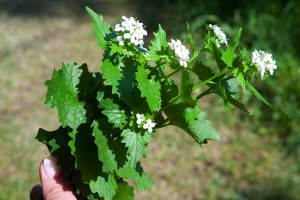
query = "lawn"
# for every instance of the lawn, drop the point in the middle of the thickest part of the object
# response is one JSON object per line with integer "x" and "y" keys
{"x": 243, "y": 165}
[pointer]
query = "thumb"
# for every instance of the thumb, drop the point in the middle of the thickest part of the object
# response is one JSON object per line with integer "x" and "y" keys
{"x": 55, "y": 186}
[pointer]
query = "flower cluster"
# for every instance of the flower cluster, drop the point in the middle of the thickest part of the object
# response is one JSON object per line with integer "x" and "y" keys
{"x": 181, "y": 51}
{"x": 131, "y": 30}
{"x": 263, "y": 62}
{"x": 219, "y": 33}
{"x": 147, "y": 124}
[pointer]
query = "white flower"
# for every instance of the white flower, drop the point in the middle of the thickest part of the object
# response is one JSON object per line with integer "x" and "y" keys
{"x": 263, "y": 62}
{"x": 181, "y": 51}
{"x": 149, "y": 125}
{"x": 118, "y": 28}
{"x": 219, "y": 33}
{"x": 120, "y": 39}
{"x": 140, "y": 118}
{"x": 131, "y": 30}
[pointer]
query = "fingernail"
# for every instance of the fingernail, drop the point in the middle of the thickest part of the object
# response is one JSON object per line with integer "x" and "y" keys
{"x": 49, "y": 167}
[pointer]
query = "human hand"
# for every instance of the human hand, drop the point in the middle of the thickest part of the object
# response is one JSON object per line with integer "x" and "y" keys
{"x": 53, "y": 185}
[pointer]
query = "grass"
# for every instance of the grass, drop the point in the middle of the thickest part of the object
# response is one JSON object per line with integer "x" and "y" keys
{"x": 241, "y": 166}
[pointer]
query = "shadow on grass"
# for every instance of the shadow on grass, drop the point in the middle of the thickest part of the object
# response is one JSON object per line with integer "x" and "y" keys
{"x": 279, "y": 190}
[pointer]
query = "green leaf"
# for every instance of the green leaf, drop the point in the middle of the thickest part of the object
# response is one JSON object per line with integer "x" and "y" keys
{"x": 202, "y": 71}
{"x": 63, "y": 94}
{"x": 217, "y": 54}
{"x": 105, "y": 187}
{"x": 101, "y": 28}
{"x": 240, "y": 77}
{"x": 87, "y": 82}
{"x": 186, "y": 89}
{"x": 140, "y": 178}
{"x": 57, "y": 144}
{"x": 126, "y": 84}
{"x": 199, "y": 128}
{"x": 86, "y": 153}
{"x": 191, "y": 120}
{"x": 87, "y": 162}
{"x": 261, "y": 98}
{"x": 136, "y": 144}
{"x": 149, "y": 88}
{"x": 105, "y": 155}
{"x": 237, "y": 104}
{"x": 159, "y": 45}
{"x": 229, "y": 55}
{"x": 124, "y": 192}
{"x": 112, "y": 74}
{"x": 237, "y": 37}
{"x": 190, "y": 36}
{"x": 112, "y": 111}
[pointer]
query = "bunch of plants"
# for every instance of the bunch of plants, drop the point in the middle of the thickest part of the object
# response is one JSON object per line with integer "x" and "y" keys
{"x": 109, "y": 117}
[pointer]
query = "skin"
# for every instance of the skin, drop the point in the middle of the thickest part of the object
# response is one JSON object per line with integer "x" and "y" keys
{"x": 53, "y": 185}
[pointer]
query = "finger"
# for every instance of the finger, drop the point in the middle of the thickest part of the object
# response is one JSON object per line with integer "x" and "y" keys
{"x": 55, "y": 186}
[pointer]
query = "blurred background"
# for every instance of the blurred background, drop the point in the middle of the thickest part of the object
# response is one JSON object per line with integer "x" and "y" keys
{"x": 259, "y": 154}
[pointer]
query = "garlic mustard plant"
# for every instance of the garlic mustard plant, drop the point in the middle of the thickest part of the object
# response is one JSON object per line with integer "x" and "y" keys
{"x": 109, "y": 117}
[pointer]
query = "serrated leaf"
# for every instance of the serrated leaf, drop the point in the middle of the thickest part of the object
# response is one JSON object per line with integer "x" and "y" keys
{"x": 57, "y": 144}
{"x": 202, "y": 71}
{"x": 200, "y": 128}
{"x": 87, "y": 81}
{"x": 63, "y": 94}
{"x": 87, "y": 162}
{"x": 138, "y": 175}
{"x": 112, "y": 111}
{"x": 112, "y": 74}
{"x": 169, "y": 92}
{"x": 126, "y": 84}
{"x": 116, "y": 48}
{"x": 191, "y": 120}
{"x": 237, "y": 37}
{"x": 105, "y": 155}
{"x": 159, "y": 45}
{"x": 150, "y": 88}
{"x": 86, "y": 153}
{"x": 124, "y": 192}
{"x": 240, "y": 77}
{"x": 105, "y": 187}
{"x": 101, "y": 28}
{"x": 136, "y": 144}
{"x": 229, "y": 56}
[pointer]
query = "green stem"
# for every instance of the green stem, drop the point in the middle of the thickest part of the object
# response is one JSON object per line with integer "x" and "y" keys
{"x": 167, "y": 106}
{"x": 206, "y": 92}
{"x": 208, "y": 80}
{"x": 174, "y": 72}
{"x": 196, "y": 54}
{"x": 97, "y": 84}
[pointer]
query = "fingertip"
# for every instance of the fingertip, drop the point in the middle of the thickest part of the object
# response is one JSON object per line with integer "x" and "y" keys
{"x": 54, "y": 185}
